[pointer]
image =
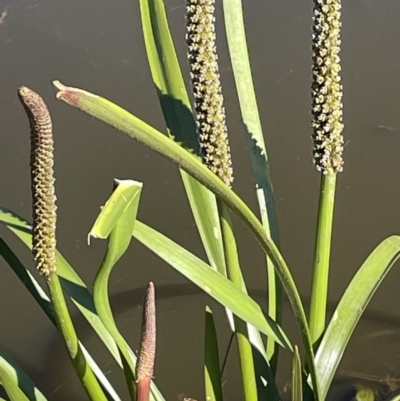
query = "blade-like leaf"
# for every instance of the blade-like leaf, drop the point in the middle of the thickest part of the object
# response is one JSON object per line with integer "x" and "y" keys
{"x": 210, "y": 281}
{"x": 124, "y": 193}
{"x": 166, "y": 74}
{"x": 16, "y": 382}
{"x": 297, "y": 377}
{"x": 212, "y": 371}
{"x": 237, "y": 44}
{"x": 178, "y": 116}
{"x": 116, "y": 221}
{"x": 350, "y": 308}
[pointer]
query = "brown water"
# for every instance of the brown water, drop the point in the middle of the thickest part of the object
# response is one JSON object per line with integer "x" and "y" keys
{"x": 97, "y": 45}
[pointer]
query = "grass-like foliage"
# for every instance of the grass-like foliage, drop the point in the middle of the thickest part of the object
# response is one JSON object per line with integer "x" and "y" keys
{"x": 197, "y": 141}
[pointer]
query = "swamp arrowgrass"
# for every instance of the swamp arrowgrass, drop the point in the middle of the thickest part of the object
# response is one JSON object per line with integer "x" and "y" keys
{"x": 207, "y": 182}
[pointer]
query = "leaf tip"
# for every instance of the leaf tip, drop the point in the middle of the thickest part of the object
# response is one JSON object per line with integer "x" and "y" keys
{"x": 70, "y": 95}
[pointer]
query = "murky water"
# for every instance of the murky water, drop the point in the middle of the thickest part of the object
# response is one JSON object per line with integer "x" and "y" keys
{"x": 97, "y": 45}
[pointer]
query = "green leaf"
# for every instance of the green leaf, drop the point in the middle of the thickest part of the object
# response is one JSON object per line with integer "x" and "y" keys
{"x": 210, "y": 281}
{"x": 116, "y": 222}
{"x": 350, "y": 308}
{"x": 297, "y": 376}
{"x": 237, "y": 44}
{"x": 166, "y": 74}
{"x": 212, "y": 371}
{"x": 16, "y": 382}
{"x": 125, "y": 192}
{"x": 172, "y": 94}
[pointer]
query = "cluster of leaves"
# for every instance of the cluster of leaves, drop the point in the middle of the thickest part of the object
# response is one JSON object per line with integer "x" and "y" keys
{"x": 323, "y": 343}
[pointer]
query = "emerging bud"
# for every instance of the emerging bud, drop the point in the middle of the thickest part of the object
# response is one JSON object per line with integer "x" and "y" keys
{"x": 147, "y": 352}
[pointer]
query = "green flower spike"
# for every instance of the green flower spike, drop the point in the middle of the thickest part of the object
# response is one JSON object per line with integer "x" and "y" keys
{"x": 208, "y": 99}
{"x": 326, "y": 87}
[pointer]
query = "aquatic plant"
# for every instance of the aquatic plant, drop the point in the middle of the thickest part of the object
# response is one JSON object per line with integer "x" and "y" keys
{"x": 199, "y": 147}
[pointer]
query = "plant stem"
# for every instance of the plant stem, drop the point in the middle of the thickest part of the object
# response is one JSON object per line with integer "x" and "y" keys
{"x": 67, "y": 330}
{"x": 102, "y": 304}
{"x": 234, "y": 274}
{"x": 319, "y": 291}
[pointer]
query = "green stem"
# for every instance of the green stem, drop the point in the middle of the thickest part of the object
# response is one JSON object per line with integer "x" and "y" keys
{"x": 319, "y": 291}
{"x": 67, "y": 330}
{"x": 103, "y": 308}
{"x": 234, "y": 274}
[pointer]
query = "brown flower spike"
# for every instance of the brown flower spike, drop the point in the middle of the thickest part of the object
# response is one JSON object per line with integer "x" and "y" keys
{"x": 326, "y": 87}
{"x": 42, "y": 181}
{"x": 206, "y": 86}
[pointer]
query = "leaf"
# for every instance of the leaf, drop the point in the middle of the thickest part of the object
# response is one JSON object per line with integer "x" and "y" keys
{"x": 297, "y": 376}
{"x": 125, "y": 192}
{"x": 210, "y": 281}
{"x": 241, "y": 68}
{"x": 212, "y": 371}
{"x": 116, "y": 222}
{"x": 172, "y": 94}
{"x": 16, "y": 382}
{"x": 350, "y": 308}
